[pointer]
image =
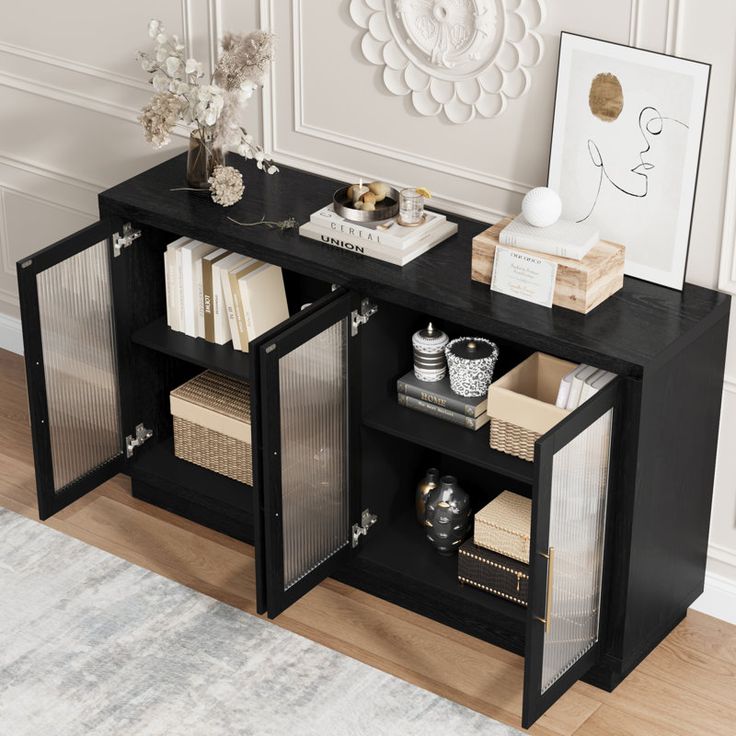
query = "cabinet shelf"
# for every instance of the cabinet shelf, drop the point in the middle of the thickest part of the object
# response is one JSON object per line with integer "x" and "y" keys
{"x": 436, "y": 434}
{"x": 401, "y": 550}
{"x": 222, "y": 358}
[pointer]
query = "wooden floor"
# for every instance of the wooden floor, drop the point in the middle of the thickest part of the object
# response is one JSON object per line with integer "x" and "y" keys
{"x": 687, "y": 686}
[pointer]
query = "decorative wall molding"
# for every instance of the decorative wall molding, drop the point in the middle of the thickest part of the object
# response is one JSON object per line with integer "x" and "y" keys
{"x": 453, "y": 56}
{"x": 727, "y": 270}
{"x": 48, "y": 173}
{"x": 73, "y": 66}
{"x": 634, "y": 22}
{"x": 729, "y": 384}
{"x": 11, "y": 334}
{"x": 718, "y": 598}
{"x": 673, "y": 27}
{"x": 362, "y": 144}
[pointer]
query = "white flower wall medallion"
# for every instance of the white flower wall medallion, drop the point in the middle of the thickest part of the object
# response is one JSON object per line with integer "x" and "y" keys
{"x": 460, "y": 57}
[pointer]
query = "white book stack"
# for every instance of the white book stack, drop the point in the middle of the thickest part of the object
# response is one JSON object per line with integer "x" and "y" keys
{"x": 221, "y": 296}
{"x": 565, "y": 239}
{"x": 580, "y": 384}
{"x": 387, "y": 240}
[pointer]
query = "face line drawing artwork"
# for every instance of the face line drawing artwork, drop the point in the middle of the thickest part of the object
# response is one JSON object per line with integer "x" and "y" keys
{"x": 642, "y": 168}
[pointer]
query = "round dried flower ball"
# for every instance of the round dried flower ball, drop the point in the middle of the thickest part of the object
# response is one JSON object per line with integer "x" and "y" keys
{"x": 226, "y": 185}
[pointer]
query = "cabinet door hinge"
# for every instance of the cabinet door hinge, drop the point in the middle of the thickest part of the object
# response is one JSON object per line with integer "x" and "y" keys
{"x": 367, "y": 520}
{"x": 360, "y": 316}
{"x": 141, "y": 435}
{"x": 124, "y": 239}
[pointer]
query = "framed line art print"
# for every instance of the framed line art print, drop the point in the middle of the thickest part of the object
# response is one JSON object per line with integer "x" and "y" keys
{"x": 626, "y": 140}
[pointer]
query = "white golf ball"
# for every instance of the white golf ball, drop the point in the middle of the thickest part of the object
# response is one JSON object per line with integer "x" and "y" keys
{"x": 541, "y": 207}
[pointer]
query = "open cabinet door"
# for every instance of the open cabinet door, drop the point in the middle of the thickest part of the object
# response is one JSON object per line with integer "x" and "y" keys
{"x": 71, "y": 366}
{"x": 569, "y": 509}
{"x": 307, "y": 388}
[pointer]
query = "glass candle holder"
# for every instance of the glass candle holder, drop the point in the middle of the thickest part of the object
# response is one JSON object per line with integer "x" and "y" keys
{"x": 411, "y": 207}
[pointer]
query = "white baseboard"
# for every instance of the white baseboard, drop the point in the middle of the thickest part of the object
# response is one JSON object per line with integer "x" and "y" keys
{"x": 719, "y": 598}
{"x": 11, "y": 335}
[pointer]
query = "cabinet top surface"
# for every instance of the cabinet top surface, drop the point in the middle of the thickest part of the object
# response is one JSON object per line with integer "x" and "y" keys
{"x": 637, "y": 328}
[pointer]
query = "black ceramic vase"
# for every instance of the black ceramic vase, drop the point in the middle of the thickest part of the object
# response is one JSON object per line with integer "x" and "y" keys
{"x": 448, "y": 516}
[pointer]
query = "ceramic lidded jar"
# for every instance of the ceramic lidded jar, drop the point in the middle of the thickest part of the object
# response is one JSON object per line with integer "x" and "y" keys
{"x": 429, "y": 354}
{"x": 426, "y": 484}
{"x": 471, "y": 361}
{"x": 448, "y": 516}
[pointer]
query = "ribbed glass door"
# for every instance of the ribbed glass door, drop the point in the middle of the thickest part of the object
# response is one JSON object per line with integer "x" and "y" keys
{"x": 71, "y": 365}
{"x": 307, "y": 392}
{"x": 570, "y": 499}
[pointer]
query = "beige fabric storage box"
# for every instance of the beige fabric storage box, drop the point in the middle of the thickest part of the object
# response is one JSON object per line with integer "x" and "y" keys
{"x": 521, "y": 404}
{"x": 211, "y": 415}
{"x": 504, "y": 526}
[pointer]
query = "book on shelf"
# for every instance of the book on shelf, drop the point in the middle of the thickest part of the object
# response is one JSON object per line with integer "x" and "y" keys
{"x": 595, "y": 383}
{"x": 216, "y": 328}
{"x": 563, "y": 393}
{"x": 191, "y": 255}
{"x": 565, "y": 238}
{"x": 581, "y": 375}
{"x": 171, "y": 274}
{"x": 386, "y": 233}
{"x": 440, "y": 394}
{"x": 263, "y": 300}
{"x": 361, "y": 246}
{"x": 445, "y": 415}
{"x": 231, "y": 266}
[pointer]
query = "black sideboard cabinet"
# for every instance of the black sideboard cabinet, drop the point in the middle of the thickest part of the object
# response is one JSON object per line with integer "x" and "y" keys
{"x": 336, "y": 460}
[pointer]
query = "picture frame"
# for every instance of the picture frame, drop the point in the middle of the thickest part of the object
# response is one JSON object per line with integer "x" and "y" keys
{"x": 627, "y": 136}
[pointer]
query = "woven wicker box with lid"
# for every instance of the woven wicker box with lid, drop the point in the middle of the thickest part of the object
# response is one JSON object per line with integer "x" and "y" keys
{"x": 211, "y": 415}
{"x": 504, "y": 526}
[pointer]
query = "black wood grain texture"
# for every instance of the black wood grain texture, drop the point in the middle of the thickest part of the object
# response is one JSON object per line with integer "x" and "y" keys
{"x": 222, "y": 358}
{"x": 670, "y": 511}
{"x": 634, "y": 330}
{"x": 436, "y": 434}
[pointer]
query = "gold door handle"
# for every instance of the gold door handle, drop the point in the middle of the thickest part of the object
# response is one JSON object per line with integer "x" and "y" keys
{"x": 550, "y": 557}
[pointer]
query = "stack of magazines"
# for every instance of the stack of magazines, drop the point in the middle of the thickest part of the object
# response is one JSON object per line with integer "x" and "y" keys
{"x": 385, "y": 240}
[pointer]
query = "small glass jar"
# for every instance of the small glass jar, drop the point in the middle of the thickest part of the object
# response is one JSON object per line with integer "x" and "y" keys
{"x": 411, "y": 207}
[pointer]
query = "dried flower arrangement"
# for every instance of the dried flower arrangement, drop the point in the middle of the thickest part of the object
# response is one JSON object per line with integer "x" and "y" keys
{"x": 215, "y": 108}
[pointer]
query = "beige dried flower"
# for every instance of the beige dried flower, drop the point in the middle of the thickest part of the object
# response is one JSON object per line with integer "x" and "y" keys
{"x": 244, "y": 60}
{"x": 159, "y": 117}
{"x": 226, "y": 185}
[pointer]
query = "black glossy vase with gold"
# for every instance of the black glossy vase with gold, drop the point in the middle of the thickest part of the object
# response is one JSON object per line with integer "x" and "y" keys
{"x": 425, "y": 485}
{"x": 448, "y": 516}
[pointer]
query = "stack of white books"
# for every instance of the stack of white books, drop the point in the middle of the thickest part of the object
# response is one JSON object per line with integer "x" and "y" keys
{"x": 221, "y": 296}
{"x": 565, "y": 239}
{"x": 580, "y": 384}
{"x": 385, "y": 240}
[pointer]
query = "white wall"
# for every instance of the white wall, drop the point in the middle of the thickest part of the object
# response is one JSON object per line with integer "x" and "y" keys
{"x": 70, "y": 90}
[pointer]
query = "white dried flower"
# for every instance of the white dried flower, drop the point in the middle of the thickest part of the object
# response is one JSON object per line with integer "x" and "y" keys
{"x": 159, "y": 117}
{"x": 155, "y": 27}
{"x": 205, "y": 104}
{"x": 226, "y": 185}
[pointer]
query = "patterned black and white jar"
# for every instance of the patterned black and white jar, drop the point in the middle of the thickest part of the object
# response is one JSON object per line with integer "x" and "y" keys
{"x": 471, "y": 361}
{"x": 429, "y": 354}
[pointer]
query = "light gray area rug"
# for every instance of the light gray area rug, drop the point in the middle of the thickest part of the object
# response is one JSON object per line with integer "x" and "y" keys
{"x": 90, "y": 644}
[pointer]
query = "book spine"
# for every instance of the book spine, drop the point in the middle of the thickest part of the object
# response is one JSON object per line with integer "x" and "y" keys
{"x": 208, "y": 301}
{"x": 351, "y": 245}
{"x": 180, "y": 290}
{"x": 222, "y": 326}
{"x": 199, "y": 296}
{"x": 449, "y": 416}
{"x": 541, "y": 246}
{"x": 238, "y": 311}
{"x": 187, "y": 287}
{"x": 227, "y": 298}
{"x": 456, "y": 405}
{"x": 168, "y": 279}
{"x": 353, "y": 230}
